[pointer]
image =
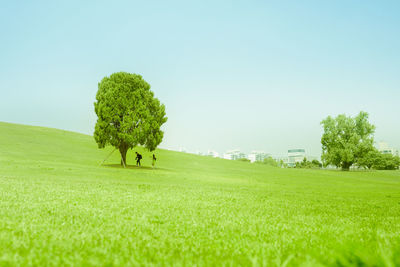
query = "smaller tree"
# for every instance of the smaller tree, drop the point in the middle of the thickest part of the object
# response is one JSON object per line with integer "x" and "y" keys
{"x": 306, "y": 164}
{"x": 282, "y": 164}
{"x": 386, "y": 162}
{"x": 316, "y": 164}
{"x": 346, "y": 140}
{"x": 270, "y": 161}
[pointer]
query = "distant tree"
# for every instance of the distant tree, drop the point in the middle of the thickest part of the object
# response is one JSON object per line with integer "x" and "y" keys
{"x": 128, "y": 114}
{"x": 386, "y": 162}
{"x": 305, "y": 163}
{"x": 282, "y": 164}
{"x": 243, "y": 159}
{"x": 308, "y": 164}
{"x": 346, "y": 140}
{"x": 270, "y": 161}
{"x": 316, "y": 164}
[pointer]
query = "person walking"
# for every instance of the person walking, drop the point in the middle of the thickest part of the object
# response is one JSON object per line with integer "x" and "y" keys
{"x": 138, "y": 158}
{"x": 154, "y": 161}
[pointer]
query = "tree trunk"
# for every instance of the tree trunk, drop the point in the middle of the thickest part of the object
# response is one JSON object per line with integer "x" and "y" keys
{"x": 123, "y": 151}
{"x": 346, "y": 166}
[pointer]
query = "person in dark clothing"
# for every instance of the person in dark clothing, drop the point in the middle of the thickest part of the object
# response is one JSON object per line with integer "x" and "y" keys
{"x": 154, "y": 161}
{"x": 138, "y": 158}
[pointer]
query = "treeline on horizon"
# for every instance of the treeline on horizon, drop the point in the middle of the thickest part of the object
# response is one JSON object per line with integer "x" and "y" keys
{"x": 347, "y": 142}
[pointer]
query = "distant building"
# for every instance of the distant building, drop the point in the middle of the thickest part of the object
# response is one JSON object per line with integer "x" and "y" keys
{"x": 295, "y": 155}
{"x": 385, "y": 149}
{"x": 212, "y": 153}
{"x": 234, "y": 155}
{"x": 257, "y": 156}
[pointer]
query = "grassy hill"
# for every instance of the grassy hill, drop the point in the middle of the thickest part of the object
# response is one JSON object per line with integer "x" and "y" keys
{"x": 58, "y": 206}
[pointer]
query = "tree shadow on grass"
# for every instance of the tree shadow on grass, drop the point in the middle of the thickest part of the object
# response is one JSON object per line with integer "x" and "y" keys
{"x": 133, "y": 167}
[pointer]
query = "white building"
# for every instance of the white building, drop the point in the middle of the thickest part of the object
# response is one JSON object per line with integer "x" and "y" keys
{"x": 234, "y": 155}
{"x": 257, "y": 156}
{"x": 295, "y": 155}
{"x": 384, "y": 148}
{"x": 212, "y": 153}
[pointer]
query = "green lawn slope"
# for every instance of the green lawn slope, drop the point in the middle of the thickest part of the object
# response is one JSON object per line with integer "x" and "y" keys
{"x": 58, "y": 206}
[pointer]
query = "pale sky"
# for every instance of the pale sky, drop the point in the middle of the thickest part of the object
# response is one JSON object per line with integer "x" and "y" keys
{"x": 252, "y": 75}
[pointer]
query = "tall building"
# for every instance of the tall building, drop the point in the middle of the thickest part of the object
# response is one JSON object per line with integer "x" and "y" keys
{"x": 295, "y": 155}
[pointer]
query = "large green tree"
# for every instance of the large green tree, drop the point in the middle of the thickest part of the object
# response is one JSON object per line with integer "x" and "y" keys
{"x": 346, "y": 140}
{"x": 128, "y": 114}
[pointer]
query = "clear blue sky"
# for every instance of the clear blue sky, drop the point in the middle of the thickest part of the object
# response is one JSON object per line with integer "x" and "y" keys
{"x": 232, "y": 74}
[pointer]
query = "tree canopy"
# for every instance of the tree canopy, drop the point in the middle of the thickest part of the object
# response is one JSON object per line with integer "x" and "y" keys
{"x": 128, "y": 114}
{"x": 346, "y": 140}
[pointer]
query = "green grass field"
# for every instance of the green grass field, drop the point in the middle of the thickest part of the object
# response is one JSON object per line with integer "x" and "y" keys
{"x": 59, "y": 207}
